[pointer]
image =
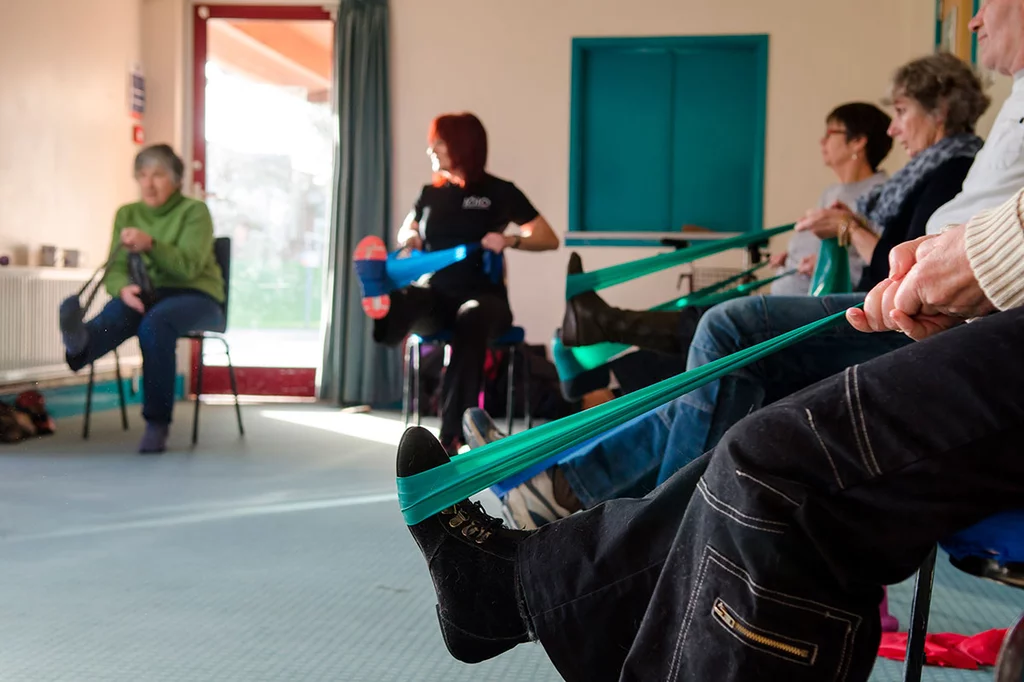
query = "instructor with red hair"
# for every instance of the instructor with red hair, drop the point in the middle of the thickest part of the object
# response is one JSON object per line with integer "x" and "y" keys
{"x": 464, "y": 205}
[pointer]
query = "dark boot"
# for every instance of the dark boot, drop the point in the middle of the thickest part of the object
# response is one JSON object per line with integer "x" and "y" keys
{"x": 471, "y": 559}
{"x": 589, "y": 320}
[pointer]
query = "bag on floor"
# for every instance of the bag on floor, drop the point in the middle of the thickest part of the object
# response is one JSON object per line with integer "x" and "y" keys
{"x": 546, "y": 400}
{"x": 33, "y": 405}
{"x": 10, "y": 428}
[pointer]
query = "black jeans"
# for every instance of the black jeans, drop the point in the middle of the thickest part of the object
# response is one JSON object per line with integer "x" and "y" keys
{"x": 475, "y": 321}
{"x": 764, "y": 559}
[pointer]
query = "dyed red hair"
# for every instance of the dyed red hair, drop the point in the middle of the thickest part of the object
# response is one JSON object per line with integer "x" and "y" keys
{"x": 466, "y": 139}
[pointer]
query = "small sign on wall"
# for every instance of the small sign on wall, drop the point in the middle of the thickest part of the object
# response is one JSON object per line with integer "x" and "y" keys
{"x": 136, "y": 92}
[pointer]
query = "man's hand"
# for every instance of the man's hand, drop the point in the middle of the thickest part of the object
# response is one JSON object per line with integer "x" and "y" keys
{"x": 880, "y": 315}
{"x": 807, "y": 265}
{"x": 130, "y": 296}
{"x": 779, "y": 259}
{"x": 941, "y": 282}
{"x": 135, "y": 240}
{"x": 931, "y": 288}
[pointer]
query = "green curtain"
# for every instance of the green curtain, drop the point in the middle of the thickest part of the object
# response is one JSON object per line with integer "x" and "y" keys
{"x": 355, "y": 369}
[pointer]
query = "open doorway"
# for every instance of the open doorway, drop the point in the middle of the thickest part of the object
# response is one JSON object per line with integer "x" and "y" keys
{"x": 263, "y": 160}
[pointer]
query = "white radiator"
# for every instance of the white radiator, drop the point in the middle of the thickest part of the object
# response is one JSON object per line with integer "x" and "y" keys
{"x": 30, "y": 345}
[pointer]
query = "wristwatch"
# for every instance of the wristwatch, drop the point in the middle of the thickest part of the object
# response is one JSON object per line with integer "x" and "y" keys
{"x": 845, "y": 229}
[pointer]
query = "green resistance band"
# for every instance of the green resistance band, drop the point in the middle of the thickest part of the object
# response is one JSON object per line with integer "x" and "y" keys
{"x": 591, "y": 357}
{"x": 625, "y": 272}
{"x": 427, "y": 493}
{"x": 832, "y": 273}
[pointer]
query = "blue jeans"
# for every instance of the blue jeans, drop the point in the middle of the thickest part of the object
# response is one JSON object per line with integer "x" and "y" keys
{"x": 158, "y": 331}
{"x": 637, "y": 457}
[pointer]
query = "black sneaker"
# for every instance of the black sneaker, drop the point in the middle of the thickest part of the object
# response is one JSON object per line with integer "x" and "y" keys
{"x": 471, "y": 559}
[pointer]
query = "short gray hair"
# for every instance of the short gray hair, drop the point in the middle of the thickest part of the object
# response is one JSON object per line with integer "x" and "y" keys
{"x": 944, "y": 84}
{"x": 161, "y": 155}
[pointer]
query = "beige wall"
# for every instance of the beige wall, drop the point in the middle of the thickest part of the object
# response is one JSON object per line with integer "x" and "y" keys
{"x": 65, "y": 148}
{"x": 65, "y": 134}
{"x": 510, "y": 62}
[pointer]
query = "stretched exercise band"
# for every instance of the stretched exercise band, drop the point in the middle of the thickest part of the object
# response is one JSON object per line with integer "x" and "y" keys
{"x": 589, "y": 357}
{"x": 832, "y": 273}
{"x": 425, "y": 494}
{"x": 378, "y": 277}
{"x": 625, "y": 272}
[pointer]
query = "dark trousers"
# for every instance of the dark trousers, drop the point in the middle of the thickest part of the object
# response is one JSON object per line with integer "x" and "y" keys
{"x": 764, "y": 559}
{"x": 158, "y": 331}
{"x": 475, "y": 321}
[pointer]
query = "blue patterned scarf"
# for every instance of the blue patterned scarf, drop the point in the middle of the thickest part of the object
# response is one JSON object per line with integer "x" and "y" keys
{"x": 884, "y": 202}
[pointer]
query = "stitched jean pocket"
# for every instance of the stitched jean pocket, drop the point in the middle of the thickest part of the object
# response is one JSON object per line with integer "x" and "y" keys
{"x": 734, "y": 625}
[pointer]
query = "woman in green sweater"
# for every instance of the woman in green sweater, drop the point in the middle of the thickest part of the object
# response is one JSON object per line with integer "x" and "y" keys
{"x": 173, "y": 235}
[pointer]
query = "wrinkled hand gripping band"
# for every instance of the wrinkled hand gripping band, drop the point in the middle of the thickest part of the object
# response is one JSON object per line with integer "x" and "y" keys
{"x": 427, "y": 493}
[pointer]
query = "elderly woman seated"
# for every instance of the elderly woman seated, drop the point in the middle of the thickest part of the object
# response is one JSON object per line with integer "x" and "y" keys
{"x": 173, "y": 237}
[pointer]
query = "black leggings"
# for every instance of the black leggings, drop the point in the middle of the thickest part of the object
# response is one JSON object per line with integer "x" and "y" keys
{"x": 475, "y": 321}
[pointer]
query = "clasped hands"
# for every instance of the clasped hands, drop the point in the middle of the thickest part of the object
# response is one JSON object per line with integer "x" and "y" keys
{"x": 824, "y": 223}
{"x": 931, "y": 287}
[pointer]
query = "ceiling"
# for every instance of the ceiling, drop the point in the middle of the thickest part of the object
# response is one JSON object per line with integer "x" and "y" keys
{"x": 296, "y": 53}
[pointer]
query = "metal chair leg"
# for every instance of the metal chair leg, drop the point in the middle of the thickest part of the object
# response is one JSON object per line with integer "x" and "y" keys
{"x": 120, "y": 391}
{"x": 418, "y": 408}
{"x": 510, "y": 399}
{"x": 1010, "y": 666}
{"x": 88, "y": 401}
{"x": 234, "y": 387}
{"x": 199, "y": 394}
{"x": 406, "y": 382}
{"x": 919, "y": 611}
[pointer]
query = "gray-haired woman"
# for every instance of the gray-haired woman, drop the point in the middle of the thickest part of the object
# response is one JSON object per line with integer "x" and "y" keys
{"x": 173, "y": 235}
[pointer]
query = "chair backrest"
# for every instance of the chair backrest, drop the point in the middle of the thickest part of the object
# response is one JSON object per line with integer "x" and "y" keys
{"x": 222, "y": 254}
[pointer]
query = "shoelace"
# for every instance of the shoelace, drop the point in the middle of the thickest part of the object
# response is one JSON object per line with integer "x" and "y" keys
{"x": 475, "y": 523}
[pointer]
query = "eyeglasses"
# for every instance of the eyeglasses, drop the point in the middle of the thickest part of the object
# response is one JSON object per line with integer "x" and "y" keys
{"x": 829, "y": 132}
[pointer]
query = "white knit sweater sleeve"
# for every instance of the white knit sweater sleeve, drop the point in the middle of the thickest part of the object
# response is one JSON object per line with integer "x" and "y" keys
{"x": 995, "y": 248}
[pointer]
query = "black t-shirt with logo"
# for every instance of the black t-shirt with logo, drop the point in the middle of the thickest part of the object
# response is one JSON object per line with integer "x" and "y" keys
{"x": 451, "y": 215}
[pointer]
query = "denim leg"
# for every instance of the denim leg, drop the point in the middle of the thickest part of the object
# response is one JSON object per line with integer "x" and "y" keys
{"x": 114, "y": 325}
{"x": 624, "y": 462}
{"x": 776, "y": 564}
{"x": 631, "y": 460}
{"x": 158, "y": 332}
{"x": 812, "y": 504}
{"x": 704, "y": 415}
{"x": 587, "y": 578}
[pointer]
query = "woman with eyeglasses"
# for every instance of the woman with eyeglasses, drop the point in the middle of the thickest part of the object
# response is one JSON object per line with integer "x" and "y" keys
{"x": 855, "y": 142}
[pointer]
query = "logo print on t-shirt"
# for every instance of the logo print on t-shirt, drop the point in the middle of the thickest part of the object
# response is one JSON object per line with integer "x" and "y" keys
{"x": 476, "y": 202}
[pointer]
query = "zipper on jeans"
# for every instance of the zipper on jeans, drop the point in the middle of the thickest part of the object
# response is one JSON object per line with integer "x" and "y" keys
{"x": 721, "y": 613}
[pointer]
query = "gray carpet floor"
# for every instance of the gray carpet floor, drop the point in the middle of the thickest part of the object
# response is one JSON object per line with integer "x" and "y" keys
{"x": 280, "y": 556}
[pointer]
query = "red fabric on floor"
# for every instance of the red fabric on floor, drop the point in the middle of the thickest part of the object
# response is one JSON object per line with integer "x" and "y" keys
{"x": 948, "y": 650}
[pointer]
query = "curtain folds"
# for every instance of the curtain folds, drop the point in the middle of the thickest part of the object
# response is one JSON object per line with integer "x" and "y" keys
{"x": 356, "y": 370}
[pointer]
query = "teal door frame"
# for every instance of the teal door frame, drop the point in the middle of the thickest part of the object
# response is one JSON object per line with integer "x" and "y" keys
{"x": 582, "y": 46}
